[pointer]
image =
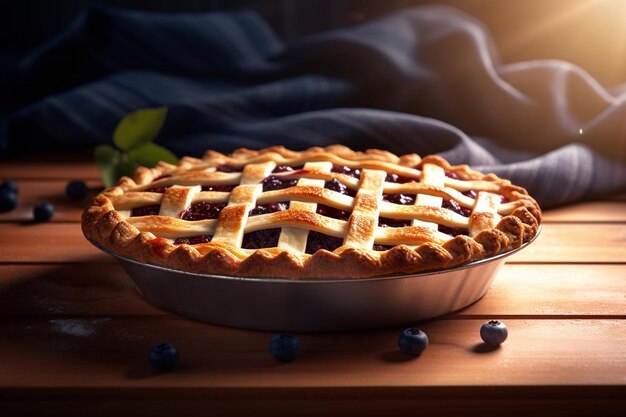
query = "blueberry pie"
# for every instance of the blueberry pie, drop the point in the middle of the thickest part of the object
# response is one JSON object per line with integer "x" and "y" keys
{"x": 320, "y": 213}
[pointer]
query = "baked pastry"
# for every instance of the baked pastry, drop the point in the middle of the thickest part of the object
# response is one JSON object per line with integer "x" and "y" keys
{"x": 320, "y": 213}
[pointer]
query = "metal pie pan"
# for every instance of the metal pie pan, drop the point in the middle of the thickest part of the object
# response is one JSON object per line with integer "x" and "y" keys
{"x": 313, "y": 305}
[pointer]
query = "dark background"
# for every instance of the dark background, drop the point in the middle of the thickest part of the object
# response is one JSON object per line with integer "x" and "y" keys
{"x": 589, "y": 33}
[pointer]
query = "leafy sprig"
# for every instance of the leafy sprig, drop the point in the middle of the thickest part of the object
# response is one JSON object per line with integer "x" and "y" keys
{"x": 133, "y": 138}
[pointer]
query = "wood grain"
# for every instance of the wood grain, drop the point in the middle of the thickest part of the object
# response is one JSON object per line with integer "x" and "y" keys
{"x": 47, "y": 242}
{"x": 64, "y": 242}
{"x": 490, "y": 401}
{"x": 65, "y": 166}
{"x": 590, "y": 211}
{"x": 547, "y": 291}
{"x": 576, "y": 243}
{"x": 106, "y": 352}
{"x": 53, "y": 192}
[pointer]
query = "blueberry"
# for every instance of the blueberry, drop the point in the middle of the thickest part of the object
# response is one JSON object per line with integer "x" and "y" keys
{"x": 494, "y": 332}
{"x": 76, "y": 190}
{"x": 43, "y": 212}
{"x": 8, "y": 199}
{"x": 412, "y": 341}
{"x": 284, "y": 347}
{"x": 9, "y": 186}
{"x": 164, "y": 356}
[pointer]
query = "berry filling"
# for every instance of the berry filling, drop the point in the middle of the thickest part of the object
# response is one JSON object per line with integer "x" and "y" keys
{"x": 399, "y": 179}
{"x": 317, "y": 241}
{"x": 455, "y": 207}
{"x": 152, "y": 210}
{"x": 283, "y": 168}
{"x": 275, "y": 183}
{"x": 403, "y": 199}
{"x": 266, "y": 238}
{"x": 202, "y": 211}
{"x": 382, "y": 248}
{"x": 353, "y": 172}
{"x": 267, "y": 208}
{"x": 386, "y": 222}
{"x": 222, "y": 188}
{"x": 453, "y": 231}
{"x": 193, "y": 240}
{"x": 227, "y": 168}
{"x": 339, "y": 187}
{"x": 157, "y": 190}
{"x": 332, "y": 212}
{"x": 452, "y": 175}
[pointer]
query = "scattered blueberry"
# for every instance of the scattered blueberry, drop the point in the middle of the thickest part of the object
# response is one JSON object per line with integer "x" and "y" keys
{"x": 43, "y": 212}
{"x": 164, "y": 356}
{"x": 494, "y": 332}
{"x": 8, "y": 199}
{"x": 9, "y": 186}
{"x": 412, "y": 341}
{"x": 76, "y": 190}
{"x": 284, "y": 347}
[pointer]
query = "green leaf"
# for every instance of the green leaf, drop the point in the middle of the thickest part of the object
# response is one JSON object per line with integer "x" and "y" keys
{"x": 107, "y": 158}
{"x": 150, "y": 153}
{"x": 124, "y": 167}
{"x": 139, "y": 127}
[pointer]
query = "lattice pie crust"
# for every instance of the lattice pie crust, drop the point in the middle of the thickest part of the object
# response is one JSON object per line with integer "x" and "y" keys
{"x": 419, "y": 236}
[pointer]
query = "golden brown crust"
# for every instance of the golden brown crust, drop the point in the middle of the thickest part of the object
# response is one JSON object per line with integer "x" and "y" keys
{"x": 420, "y": 249}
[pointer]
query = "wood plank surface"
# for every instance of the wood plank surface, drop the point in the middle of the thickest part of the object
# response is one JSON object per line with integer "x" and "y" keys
{"x": 576, "y": 243}
{"x": 65, "y": 166}
{"x": 64, "y": 242}
{"x": 547, "y": 291}
{"x": 590, "y": 211}
{"x": 489, "y": 401}
{"x": 75, "y": 332}
{"x": 68, "y": 353}
{"x": 53, "y": 192}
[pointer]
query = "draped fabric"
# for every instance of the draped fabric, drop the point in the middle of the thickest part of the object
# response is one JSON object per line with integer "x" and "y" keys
{"x": 424, "y": 80}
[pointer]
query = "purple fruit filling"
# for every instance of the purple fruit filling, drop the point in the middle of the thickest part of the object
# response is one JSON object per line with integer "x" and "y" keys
{"x": 267, "y": 208}
{"x": 283, "y": 168}
{"x": 266, "y": 238}
{"x": 455, "y": 207}
{"x": 157, "y": 190}
{"x": 278, "y": 183}
{"x": 452, "y": 175}
{"x": 470, "y": 194}
{"x": 152, "y": 210}
{"x": 454, "y": 231}
{"x": 202, "y": 211}
{"x": 317, "y": 241}
{"x": 332, "y": 212}
{"x": 382, "y": 248}
{"x": 399, "y": 179}
{"x": 404, "y": 199}
{"x": 339, "y": 187}
{"x": 221, "y": 188}
{"x": 193, "y": 240}
{"x": 353, "y": 172}
{"x": 227, "y": 168}
{"x": 386, "y": 222}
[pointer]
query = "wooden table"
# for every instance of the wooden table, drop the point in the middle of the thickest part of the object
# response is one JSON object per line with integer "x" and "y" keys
{"x": 75, "y": 333}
